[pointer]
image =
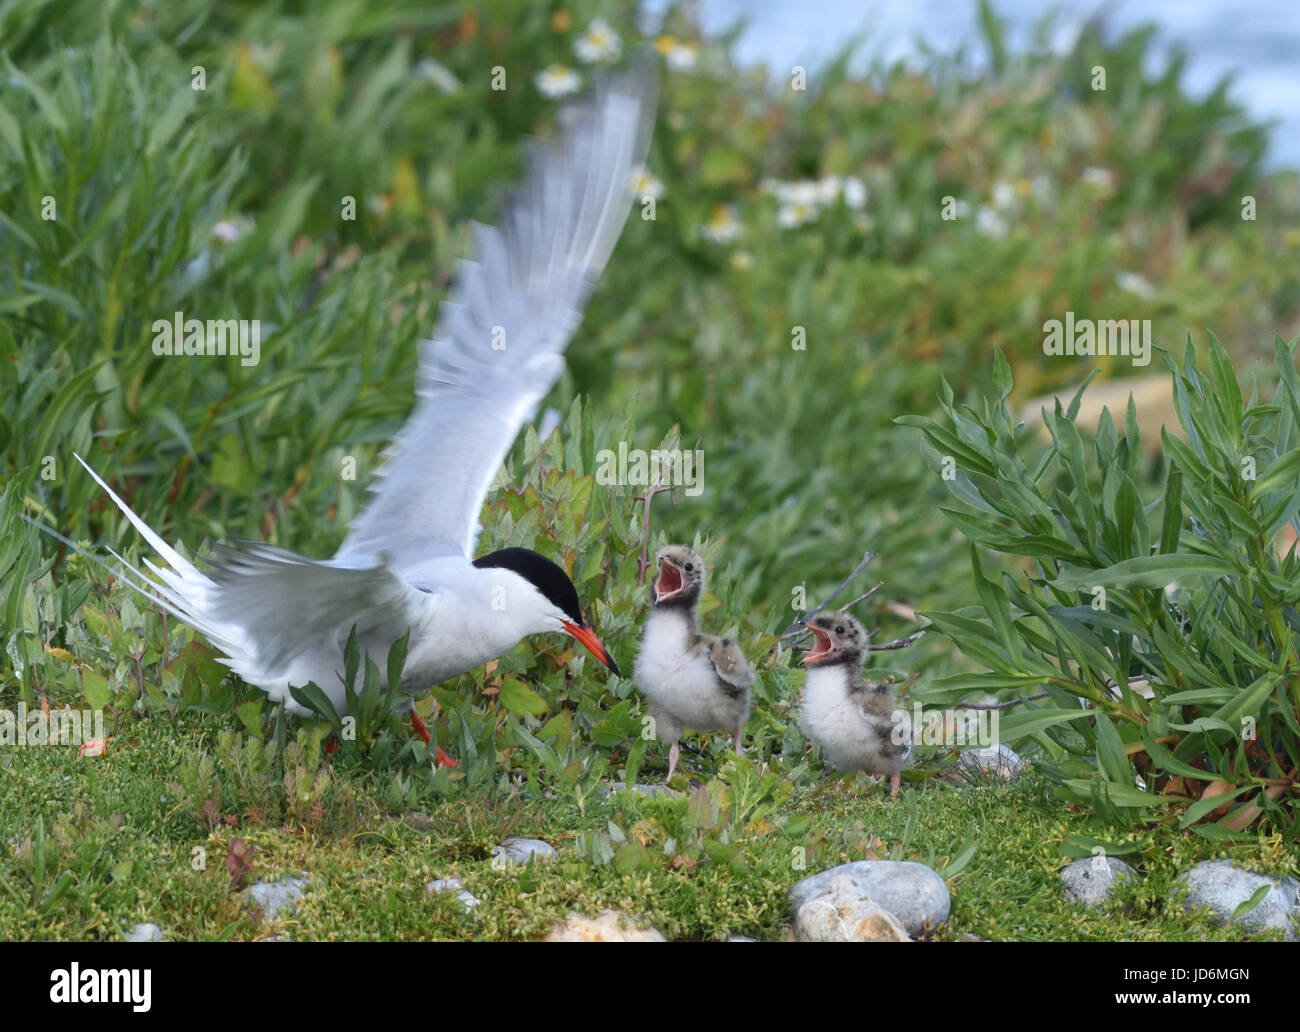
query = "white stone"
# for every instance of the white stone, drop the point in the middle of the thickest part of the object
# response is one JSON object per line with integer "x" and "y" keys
{"x": 911, "y": 892}
{"x": 1092, "y": 881}
{"x": 520, "y": 850}
{"x": 843, "y": 913}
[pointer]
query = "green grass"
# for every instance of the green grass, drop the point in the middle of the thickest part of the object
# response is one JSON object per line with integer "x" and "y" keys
{"x": 118, "y": 825}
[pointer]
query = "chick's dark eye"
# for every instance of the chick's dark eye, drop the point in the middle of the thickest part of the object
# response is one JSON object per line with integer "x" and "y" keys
{"x": 690, "y": 567}
{"x": 839, "y": 629}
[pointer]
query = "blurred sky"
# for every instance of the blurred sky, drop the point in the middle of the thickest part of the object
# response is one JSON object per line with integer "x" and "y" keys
{"x": 1259, "y": 40}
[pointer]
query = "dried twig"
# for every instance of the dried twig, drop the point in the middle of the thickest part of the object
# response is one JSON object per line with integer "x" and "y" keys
{"x": 897, "y": 643}
{"x": 796, "y": 629}
{"x": 643, "y": 561}
{"x": 865, "y": 595}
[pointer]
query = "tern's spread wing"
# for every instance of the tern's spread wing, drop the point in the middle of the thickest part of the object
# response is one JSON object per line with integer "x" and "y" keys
{"x": 263, "y": 606}
{"x": 502, "y": 331}
{"x": 282, "y": 602}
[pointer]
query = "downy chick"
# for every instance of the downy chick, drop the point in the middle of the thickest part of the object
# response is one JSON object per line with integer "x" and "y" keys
{"x": 691, "y": 679}
{"x": 856, "y": 723}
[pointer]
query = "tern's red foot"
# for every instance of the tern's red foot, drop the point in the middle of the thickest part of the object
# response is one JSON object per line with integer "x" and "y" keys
{"x": 420, "y": 729}
{"x": 331, "y": 745}
{"x": 441, "y": 759}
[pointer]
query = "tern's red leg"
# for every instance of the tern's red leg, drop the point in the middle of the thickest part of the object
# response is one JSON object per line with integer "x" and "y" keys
{"x": 440, "y": 758}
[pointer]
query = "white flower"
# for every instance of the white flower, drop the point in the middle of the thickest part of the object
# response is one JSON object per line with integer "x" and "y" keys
{"x": 803, "y": 192}
{"x": 230, "y": 230}
{"x": 814, "y": 193}
{"x": 682, "y": 56}
{"x": 439, "y": 74}
{"x": 854, "y": 192}
{"x": 1095, "y": 175}
{"x": 598, "y": 43}
{"x": 1004, "y": 194}
{"x": 226, "y": 231}
{"x": 795, "y": 214}
{"x": 827, "y": 189}
{"x": 644, "y": 184}
{"x": 1135, "y": 284}
{"x": 990, "y": 223}
{"x": 558, "y": 81}
{"x": 723, "y": 225}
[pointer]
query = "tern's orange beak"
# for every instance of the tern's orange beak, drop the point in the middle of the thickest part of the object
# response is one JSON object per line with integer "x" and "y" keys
{"x": 588, "y": 638}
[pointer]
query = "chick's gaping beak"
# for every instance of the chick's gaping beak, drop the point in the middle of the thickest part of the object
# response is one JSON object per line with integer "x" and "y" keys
{"x": 669, "y": 582}
{"x": 822, "y": 649}
{"x": 588, "y": 638}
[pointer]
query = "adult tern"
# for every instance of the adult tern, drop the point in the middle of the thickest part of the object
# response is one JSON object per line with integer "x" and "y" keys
{"x": 281, "y": 619}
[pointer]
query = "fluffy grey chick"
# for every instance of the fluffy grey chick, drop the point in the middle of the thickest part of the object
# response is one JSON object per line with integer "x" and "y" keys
{"x": 856, "y": 723}
{"x": 690, "y": 679}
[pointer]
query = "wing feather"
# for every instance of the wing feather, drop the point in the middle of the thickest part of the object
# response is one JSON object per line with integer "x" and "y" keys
{"x": 501, "y": 333}
{"x": 283, "y": 602}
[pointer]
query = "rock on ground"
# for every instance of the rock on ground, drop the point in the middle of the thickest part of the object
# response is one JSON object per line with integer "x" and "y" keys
{"x": 521, "y": 850}
{"x": 911, "y": 892}
{"x": 1220, "y": 887}
{"x": 1092, "y": 881}
{"x": 607, "y": 926}
{"x": 640, "y": 788}
{"x": 273, "y": 897}
{"x": 995, "y": 761}
{"x": 145, "y": 933}
{"x": 843, "y": 913}
{"x": 466, "y": 898}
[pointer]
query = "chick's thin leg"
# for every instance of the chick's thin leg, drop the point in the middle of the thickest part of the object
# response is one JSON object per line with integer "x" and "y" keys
{"x": 895, "y": 779}
{"x": 740, "y": 734}
{"x": 672, "y": 759}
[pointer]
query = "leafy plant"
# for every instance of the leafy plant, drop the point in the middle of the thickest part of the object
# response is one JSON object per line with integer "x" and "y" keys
{"x": 1162, "y": 632}
{"x": 250, "y": 780}
{"x": 370, "y": 710}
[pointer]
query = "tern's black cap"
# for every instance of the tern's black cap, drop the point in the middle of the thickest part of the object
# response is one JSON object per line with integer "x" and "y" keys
{"x": 544, "y": 575}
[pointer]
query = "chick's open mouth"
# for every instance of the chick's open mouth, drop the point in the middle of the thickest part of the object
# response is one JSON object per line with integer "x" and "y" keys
{"x": 669, "y": 581}
{"x": 821, "y": 649}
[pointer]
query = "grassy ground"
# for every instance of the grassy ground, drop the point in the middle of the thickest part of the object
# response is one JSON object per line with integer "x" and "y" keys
{"x": 124, "y": 831}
